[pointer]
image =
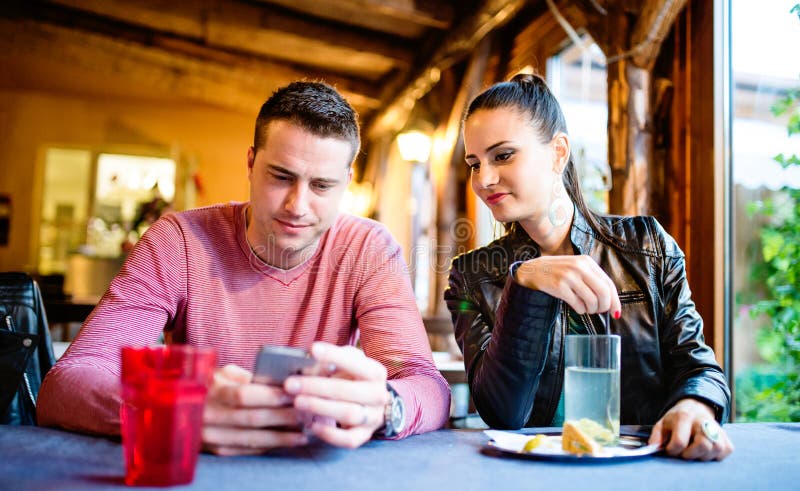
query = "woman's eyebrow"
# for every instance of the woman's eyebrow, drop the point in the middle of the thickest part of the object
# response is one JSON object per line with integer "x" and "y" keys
{"x": 489, "y": 148}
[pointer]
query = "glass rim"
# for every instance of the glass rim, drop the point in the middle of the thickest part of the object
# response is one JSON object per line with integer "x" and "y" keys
{"x": 169, "y": 347}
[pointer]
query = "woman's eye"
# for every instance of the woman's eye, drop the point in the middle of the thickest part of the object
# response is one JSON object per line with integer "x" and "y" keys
{"x": 474, "y": 166}
{"x": 502, "y": 157}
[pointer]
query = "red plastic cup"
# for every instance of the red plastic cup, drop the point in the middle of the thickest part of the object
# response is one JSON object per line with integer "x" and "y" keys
{"x": 163, "y": 396}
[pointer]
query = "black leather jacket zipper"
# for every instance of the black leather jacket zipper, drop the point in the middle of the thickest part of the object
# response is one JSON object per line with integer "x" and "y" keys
{"x": 26, "y": 383}
{"x": 558, "y": 387}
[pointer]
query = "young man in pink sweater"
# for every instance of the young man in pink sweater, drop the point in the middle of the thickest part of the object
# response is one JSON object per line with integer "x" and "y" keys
{"x": 285, "y": 268}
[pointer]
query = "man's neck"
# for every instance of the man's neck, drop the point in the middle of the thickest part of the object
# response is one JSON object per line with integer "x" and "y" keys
{"x": 284, "y": 259}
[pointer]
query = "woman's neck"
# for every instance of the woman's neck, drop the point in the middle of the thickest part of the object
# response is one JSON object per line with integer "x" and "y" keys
{"x": 552, "y": 240}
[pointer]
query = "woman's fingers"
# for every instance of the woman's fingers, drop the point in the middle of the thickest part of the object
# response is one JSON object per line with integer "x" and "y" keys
{"x": 690, "y": 432}
{"x": 578, "y": 280}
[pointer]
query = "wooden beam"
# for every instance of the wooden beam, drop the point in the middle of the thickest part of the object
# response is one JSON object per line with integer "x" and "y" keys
{"x": 428, "y": 13}
{"x": 262, "y": 30}
{"x": 587, "y": 15}
{"x": 461, "y": 42}
{"x": 242, "y": 86}
{"x": 652, "y": 26}
{"x": 544, "y": 37}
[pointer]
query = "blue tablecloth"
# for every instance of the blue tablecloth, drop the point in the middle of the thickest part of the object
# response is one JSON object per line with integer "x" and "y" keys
{"x": 767, "y": 456}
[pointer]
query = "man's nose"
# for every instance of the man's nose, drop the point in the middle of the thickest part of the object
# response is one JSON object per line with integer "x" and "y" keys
{"x": 297, "y": 200}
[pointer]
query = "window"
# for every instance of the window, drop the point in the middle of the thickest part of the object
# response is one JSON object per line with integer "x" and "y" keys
{"x": 65, "y": 206}
{"x": 577, "y": 76}
{"x": 765, "y": 70}
{"x": 92, "y": 201}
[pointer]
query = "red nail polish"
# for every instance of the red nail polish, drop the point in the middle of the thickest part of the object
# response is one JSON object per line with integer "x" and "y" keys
{"x": 617, "y": 314}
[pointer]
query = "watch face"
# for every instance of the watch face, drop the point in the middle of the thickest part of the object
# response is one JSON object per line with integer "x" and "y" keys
{"x": 398, "y": 414}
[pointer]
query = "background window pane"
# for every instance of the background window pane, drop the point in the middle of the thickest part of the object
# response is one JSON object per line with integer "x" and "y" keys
{"x": 766, "y": 69}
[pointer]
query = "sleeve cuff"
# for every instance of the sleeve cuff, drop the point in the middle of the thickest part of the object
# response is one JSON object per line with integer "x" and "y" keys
{"x": 512, "y": 270}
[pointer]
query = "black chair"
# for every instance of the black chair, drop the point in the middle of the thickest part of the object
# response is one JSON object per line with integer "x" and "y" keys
{"x": 26, "y": 352}
{"x": 63, "y": 314}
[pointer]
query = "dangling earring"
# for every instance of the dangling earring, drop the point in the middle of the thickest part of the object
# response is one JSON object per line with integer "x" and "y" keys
{"x": 557, "y": 213}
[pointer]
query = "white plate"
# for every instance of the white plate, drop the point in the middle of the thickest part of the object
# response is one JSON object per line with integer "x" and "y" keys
{"x": 631, "y": 446}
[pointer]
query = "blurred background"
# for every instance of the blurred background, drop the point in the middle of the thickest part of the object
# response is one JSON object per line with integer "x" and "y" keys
{"x": 113, "y": 112}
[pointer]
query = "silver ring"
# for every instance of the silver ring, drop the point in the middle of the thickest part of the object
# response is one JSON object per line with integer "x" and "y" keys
{"x": 711, "y": 430}
{"x": 364, "y": 415}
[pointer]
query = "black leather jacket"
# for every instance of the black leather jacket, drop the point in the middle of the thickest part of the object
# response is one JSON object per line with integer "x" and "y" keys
{"x": 512, "y": 337}
{"x": 26, "y": 353}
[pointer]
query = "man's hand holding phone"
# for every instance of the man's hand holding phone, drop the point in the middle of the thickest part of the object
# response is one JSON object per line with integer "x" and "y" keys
{"x": 250, "y": 414}
{"x": 244, "y": 418}
{"x": 350, "y": 390}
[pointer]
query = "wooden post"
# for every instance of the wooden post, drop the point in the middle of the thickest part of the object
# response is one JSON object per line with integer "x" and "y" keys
{"x": 631, "y": 53}
{"x": 443, "y": 174}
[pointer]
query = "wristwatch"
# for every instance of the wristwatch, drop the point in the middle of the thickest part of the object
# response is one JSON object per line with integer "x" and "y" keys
{"x": 394, "y": 414}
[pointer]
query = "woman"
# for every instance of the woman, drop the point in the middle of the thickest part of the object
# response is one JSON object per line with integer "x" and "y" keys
{"x": 557, "y": 268}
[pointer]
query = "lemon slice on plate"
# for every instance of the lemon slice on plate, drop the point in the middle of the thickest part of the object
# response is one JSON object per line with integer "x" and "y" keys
{"x": 533, "y": 443}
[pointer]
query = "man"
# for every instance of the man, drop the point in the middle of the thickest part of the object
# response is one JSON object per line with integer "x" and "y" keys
{"x": 283, "y": 269}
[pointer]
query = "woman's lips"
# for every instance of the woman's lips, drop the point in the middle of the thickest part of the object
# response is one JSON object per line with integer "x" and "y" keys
{"x": 493, "y": 199}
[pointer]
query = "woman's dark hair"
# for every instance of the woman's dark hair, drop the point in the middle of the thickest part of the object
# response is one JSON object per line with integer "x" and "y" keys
{"x": 530, "y": 95}
{"x": 314, "y": 106}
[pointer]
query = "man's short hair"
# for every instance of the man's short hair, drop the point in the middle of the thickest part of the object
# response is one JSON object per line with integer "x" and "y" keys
{"x": 314, "y": 106}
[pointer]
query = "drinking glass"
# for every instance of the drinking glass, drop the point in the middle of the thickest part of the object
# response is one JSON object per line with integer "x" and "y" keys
{"x": 592, "y": 385}
{"x": 163, "y": 396}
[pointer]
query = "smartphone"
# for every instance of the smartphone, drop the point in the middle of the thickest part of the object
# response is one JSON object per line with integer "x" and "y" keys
{"x": 275, "y": 363}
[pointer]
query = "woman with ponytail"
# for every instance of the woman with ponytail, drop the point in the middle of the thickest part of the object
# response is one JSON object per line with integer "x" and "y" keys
{"x": 561, "y": 268}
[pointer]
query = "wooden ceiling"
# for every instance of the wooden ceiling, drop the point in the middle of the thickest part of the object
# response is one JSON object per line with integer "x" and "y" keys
{"x": 226, "y": 53}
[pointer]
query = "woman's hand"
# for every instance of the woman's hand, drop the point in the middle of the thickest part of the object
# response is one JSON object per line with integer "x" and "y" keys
{"x": 689, "y": 430}
{"x": 242, "y": 418}
{"x": 577, "y": 280}
{"x": 354, "y": 395}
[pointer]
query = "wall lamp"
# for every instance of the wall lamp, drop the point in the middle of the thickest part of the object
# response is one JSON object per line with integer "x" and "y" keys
{"x": 414, "y": 146}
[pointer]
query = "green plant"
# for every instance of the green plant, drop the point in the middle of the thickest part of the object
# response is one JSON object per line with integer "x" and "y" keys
{"x": 775, "y": 394}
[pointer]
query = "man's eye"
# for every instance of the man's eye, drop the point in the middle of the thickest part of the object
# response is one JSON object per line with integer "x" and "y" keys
{"x": 280, "y": 177}
{"x": 323, "y": 187}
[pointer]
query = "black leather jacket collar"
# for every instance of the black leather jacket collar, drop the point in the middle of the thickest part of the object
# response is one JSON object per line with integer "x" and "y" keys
{"x": 512, "y": 337}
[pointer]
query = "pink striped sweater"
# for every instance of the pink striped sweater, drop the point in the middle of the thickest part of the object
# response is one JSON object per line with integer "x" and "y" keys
{"x": 194, "y": 277}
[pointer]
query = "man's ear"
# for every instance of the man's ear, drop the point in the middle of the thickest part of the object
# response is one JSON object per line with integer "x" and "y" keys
{"x": 349, "y": 175}
{"x": 251, "y": 159}
{"x": 561, "y": 152}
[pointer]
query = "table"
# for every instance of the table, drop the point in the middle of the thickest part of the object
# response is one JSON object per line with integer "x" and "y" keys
{"x": 767, "y": 457}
